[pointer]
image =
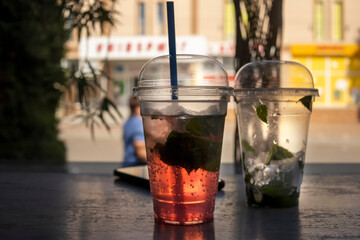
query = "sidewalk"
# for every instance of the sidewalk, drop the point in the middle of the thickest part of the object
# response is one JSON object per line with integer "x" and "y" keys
{"x": 327, "y": 143}
{"x": 333, "y": 143}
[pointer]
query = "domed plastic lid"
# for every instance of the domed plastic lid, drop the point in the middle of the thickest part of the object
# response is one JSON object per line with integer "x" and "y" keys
{"x": 192, "y": 70}
{"x": 275, "y": 77}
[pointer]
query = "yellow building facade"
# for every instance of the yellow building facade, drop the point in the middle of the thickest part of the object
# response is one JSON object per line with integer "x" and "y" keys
{"x": 324, "y": 36}
{"x": 336, "y": 72}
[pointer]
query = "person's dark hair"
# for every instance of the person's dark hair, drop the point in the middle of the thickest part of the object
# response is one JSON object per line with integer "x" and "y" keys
{"x": 133, "y": 103}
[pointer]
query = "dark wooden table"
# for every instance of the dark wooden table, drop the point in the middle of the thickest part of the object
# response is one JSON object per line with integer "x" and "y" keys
{"x": 87, "y": 202}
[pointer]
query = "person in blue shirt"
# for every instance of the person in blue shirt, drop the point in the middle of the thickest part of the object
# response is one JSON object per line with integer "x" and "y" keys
{"x": 133, "y": 135}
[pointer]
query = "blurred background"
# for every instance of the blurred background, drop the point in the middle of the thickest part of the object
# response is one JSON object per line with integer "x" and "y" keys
{"x": 323, "y": 35}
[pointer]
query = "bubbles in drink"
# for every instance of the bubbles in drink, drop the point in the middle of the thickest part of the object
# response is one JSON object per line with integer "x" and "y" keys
{"x": 191, "y": 172}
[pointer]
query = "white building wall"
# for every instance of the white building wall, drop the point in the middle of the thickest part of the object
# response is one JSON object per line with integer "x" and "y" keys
{"x": 351, "y": 21}
{"x": 297, "y": 21}
{"x": 210, "y": 19}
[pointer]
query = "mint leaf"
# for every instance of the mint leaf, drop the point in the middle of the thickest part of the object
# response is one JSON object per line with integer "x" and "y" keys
{"x": 306, "y": 101}
{"x": 248, "y": 148}
{"x": 277, "y": 153}
{"x": 278, "y": 189}
{"x": 184, "y": 150}
{"x": 262, "y": 112}
{"x": 206, "y": 126}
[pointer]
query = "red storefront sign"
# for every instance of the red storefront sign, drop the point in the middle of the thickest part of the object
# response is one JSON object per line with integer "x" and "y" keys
{"x": 98, "y": 48}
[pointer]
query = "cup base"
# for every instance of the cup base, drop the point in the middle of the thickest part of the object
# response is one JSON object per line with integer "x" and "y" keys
{"x": 183, "y": 214}
{"x": 171, "y": 222}
{"x": 256, "y": 198}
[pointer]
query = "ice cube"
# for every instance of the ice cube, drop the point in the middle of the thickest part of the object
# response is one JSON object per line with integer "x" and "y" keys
{"x": 287, "y": 164}
{"x": 158, "y": 132}
{"x": 257, "y": 173}
{"x": 270, "y": 173}
{"x": 175, "y": 109}
{"x": 213, "y": 110}
{"x": 251, "y": 162}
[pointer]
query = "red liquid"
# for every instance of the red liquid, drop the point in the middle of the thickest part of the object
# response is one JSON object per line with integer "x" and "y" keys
{"x": 180, "y": 196}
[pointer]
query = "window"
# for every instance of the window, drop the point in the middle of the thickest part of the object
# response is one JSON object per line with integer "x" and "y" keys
{"x": 142, "y": 26}
{"x": 337, "y": 21}
{"x": 337, "y": 95}
{"x": 229, "y": 21}
{"x": 319, "y": 21}
{"x": 159, "y": 26}
{"x": 328, "y": 20}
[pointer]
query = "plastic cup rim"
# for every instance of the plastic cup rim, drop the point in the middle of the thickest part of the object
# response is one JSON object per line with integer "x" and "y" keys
{"x": 263, "y": 91}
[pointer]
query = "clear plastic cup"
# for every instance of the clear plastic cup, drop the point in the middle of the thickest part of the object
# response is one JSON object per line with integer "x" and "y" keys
{"x": 183, "y": 128}
{"x": 274, "y": 103}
